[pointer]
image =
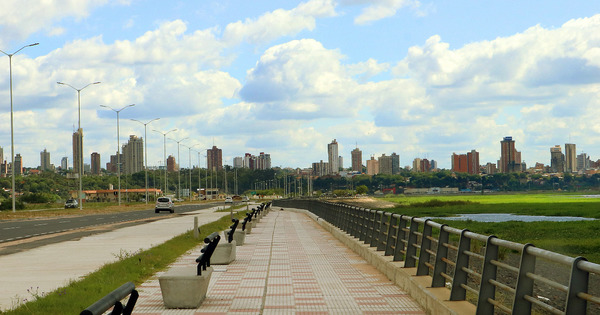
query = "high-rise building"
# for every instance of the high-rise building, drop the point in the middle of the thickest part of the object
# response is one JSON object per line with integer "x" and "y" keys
{"x": 320, "y": 168}
{"x": 417, "y": 165}
{"x": 96, "y": 165}
{"x": 133, "y": 154}
{"x": 263, "y": 161}
{"x": 356, "y": 160}
{"x": 18, "y": 167}
{"x": 570, "y": 158}
{"x": 583, "y": 162}
{"x": 557, "y": 160}
{"x": 77, "y": 150}
{"x": 510, "y": 158}
{"x": 214, "y": 159}
{"x": 64, "y": 163}
{"x": 466, "y": 163}
{"x": 333, "y": 157}
{"x": 112, "y": 165}
{"x": 1, "y": 155}
{"x": 172, "y": 164}
{"x": 238, "y": 162}
{"x": 395, "y": 163}
{"x": 45, "y": 164}
{"x": 372, "y": 166}
{"x": 385, "y": 164}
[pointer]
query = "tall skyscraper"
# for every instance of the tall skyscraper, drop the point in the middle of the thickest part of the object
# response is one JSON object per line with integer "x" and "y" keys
{"x": 238, "y": 162}
{"x": 557, "y": 159}
{"x": 1, "y": 155}
{"x": 112, "y": 165}
{"x": 466, "y": 163}
{"x": 333, "y": 157}
{"x": 133, "y": 154}
{"x": 77, "y": 150}
{"x": 45, "y": 164}
{"x": 263, "y": 161}
{"x": 583, "y": 162}
{"x": 510, "y": 158}
{"x": 214, "y": 159}
{"x": 417, "y": 165}
{"x": 356, "y": 160}
{"x": 96, "y": 165}
{"x": 385, "y": 164}
{"x": 570, "y": 158}
{"x": 395, "y": 163}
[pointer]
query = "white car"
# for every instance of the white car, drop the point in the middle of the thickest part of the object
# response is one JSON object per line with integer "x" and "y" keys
{"x": 164, "y": 203}
{"x": 245, "y": 199}
{"x": 228, "y": 200}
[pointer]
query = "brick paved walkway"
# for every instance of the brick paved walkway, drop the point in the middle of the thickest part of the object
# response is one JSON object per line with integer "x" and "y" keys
{"x": 289, "y": 265}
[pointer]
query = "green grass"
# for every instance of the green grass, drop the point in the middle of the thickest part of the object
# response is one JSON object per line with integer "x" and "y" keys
{"x": 135, "y": 267}
{"x": 574, "y": 238}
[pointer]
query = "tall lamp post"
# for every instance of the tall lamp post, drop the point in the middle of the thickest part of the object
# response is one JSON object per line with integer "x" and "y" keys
{"x": 165, "y": 153}
{"x": 190, "y": 164}
{"x": 80, "y": 144}
{"x": 178, "y": 168}
{"x": 12, "y": 139}
{"x": 146, "y": 152}
{"x": 118, "y": 147}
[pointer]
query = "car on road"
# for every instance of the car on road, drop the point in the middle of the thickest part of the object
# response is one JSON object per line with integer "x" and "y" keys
{"x": 228, "y": 200}
{"x": 245, "y": 199}
{"x": 164, "y": 203}
{"x": 71, "y": 203}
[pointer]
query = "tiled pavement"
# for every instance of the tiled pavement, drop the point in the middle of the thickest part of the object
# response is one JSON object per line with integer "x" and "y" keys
{"x": 289, "y": 265}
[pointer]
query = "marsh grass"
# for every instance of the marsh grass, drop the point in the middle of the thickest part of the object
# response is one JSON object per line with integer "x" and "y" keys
{"x": 136, "y": 267}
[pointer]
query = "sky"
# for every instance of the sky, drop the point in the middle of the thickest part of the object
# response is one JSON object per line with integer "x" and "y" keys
{"x": 418, "y": 78}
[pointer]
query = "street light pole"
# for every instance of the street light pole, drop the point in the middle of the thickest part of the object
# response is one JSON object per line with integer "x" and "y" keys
{"x": 190, "y": 164}
{"x": 165, "y": 154}
{"x": 118, "y": 147}
{"x": 178, "y": 168}
{"x": 80, "y": 144}
{"x": 12, "y": 139}
{"x": 146, "y": 152}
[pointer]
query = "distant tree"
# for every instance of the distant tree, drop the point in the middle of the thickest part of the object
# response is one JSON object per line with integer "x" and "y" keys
{"x": 362, "y": 189}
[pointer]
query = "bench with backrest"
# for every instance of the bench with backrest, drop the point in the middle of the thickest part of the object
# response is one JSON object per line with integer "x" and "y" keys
{"x": 113, "y": 300}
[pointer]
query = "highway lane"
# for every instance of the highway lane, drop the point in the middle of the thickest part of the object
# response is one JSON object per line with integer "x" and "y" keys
{"x": 13, "y": 230}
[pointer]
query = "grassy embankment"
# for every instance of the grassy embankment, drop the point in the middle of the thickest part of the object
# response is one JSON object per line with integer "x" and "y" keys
{"x": 574, "y": 238}
{"x": 135, "y": 267}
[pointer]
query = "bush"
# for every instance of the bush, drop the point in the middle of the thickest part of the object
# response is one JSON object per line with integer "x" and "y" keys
{"x": 6, "y": 204}
{"x": 38, "y": 198}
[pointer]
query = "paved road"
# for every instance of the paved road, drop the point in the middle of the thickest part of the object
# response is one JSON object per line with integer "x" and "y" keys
{"x": 22, "y": 235}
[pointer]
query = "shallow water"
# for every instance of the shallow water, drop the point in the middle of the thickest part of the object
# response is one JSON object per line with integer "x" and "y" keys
{"x": 503, "y": 217}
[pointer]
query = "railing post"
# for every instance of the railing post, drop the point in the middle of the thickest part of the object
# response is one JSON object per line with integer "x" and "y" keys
{"x": 424, "y": 256}
{"x": 383, "y": 231}
{"x": 389, "y": 247}
{"x": 441, "y": 253}
{"x": 376, "y": 232}
{"x": 364, "y": 221}
{"x": 370, "y": 226}
{"x": 577, "y": 284}
{"x": 486, "y": 289}
{"x": 458, "y": 293}
{"x": 411, "y": 250}
{"x": 524, "y": 283}
{"x": 399, "y": 246}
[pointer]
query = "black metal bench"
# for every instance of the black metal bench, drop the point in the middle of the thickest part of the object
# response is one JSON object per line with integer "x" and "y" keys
{"x": 231, "y": 230}
{"x": 114, "y": 299}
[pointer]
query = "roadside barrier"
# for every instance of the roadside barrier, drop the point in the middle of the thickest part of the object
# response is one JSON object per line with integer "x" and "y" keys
{"x": 473, "y": 267}
{"x": 113, "y": 299}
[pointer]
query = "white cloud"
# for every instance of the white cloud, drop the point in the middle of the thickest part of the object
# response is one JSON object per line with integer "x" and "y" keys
{"x": 381, "y": 9}
{"x": 278, "y": 23}
{"x": 368, "y": 69}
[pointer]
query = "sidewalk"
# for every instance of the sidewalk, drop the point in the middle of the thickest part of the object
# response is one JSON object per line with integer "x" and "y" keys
{"x": 47, "y": 268}
{"x": 289, "y": 265}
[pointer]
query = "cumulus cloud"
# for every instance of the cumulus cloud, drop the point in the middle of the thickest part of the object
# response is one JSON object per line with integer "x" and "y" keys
{"x": 278, "y": 23}
{"x": 380, "y": 9}
{"x": 299, "y": 78}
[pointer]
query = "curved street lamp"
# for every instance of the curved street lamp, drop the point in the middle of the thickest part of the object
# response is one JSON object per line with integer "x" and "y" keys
{"x": 190, "y": 164}
{"x": 165, "y": 154}
{"x": 146, "y": 152}
{"x": 179, "y": 168}
{"x": 12, "y": 139}
{"x": 118, "y": 146}
{"x": 80, "y": 144}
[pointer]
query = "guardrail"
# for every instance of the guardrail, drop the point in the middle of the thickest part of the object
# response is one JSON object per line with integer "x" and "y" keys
{"x": 494, "y": 274}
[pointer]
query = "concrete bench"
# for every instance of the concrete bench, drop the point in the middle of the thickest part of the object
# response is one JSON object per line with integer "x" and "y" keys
{"x": 234, "y": 234}
{"x": 114, "y": 299}
{"x": 186, "y": 287}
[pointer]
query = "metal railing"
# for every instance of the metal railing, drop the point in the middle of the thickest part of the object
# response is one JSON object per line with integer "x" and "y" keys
{"x": 496, "y": 275}
{"x": 113, "y": 300}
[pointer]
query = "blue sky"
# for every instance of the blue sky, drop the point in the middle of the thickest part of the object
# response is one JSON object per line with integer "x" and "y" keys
{"x": 418, "y": 78}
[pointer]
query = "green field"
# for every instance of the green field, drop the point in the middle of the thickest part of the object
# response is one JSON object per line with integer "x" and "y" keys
{"x": 574, "y": 238}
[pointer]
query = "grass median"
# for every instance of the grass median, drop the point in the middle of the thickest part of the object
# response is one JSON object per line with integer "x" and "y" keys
{"x": 136, "y": 267}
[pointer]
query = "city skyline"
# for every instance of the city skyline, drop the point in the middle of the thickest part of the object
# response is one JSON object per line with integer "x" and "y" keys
{"x": 284, "y": 77}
